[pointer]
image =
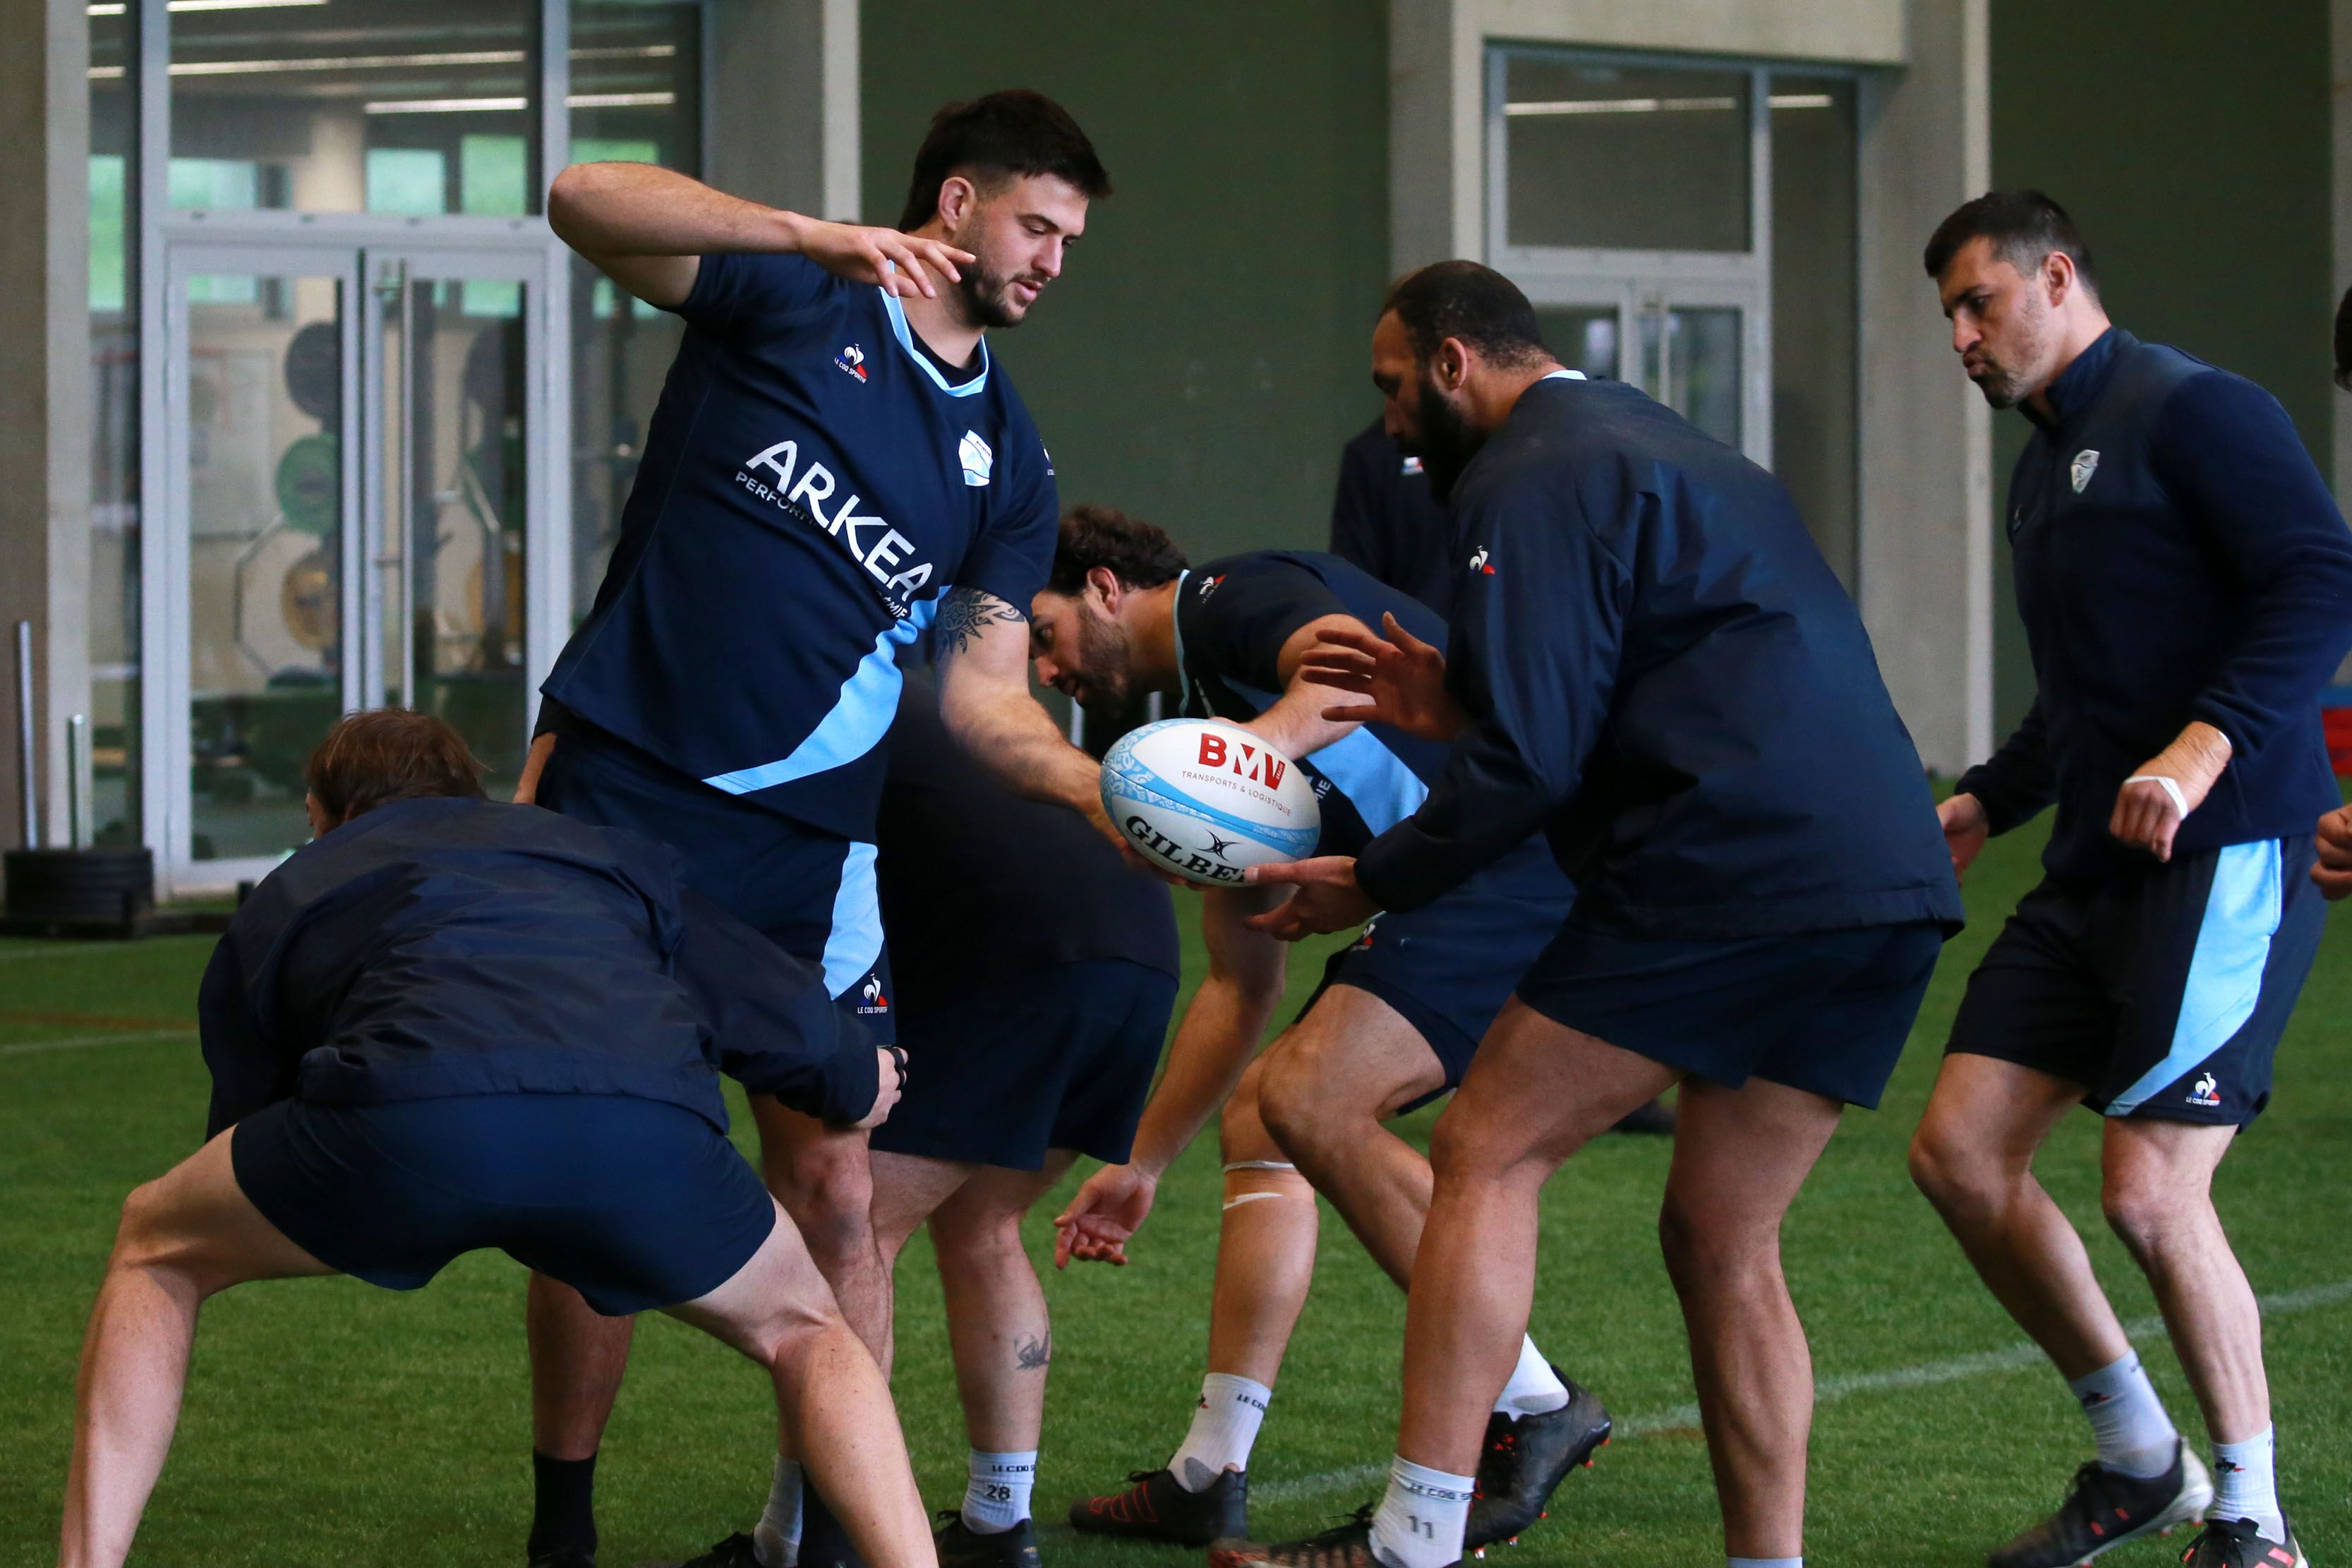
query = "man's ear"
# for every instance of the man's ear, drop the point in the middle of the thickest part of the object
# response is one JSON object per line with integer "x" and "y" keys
{"x": 2059, "y": 278}
{"x": 958, "y": 197}
{"x": 1105, "y": 581}
{"x": 1450, "y": 365}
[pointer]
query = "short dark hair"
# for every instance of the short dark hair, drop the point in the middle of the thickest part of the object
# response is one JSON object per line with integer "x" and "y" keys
{"x": 1463, "y": 300}
{"x": 2344, "y": 342}
{"x": 1138, "y": 554}
{"x": 2024, "y": 227}
{"x": 372, "y": 758}
{"x": 1002, "y": 136}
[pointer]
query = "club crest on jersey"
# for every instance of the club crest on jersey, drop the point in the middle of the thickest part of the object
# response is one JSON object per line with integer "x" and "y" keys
{"x": 2086, "y": 463}
{"x": 852, "y": 360}
{"x": 1478, "y": 562}
{"x": 977, "y": 459}
{"x": 2207, "y": 1090}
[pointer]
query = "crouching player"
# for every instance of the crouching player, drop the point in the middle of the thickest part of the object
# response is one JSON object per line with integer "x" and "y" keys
{"x": 1034, "y": 996}
{"x": 447, "y": 1024}
{"x": 1391, "y": 1028}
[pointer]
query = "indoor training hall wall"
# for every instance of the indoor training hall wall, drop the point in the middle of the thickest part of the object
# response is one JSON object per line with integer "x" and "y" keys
{"x": 1205, "y": 355}
{"x": 2192, "y": 142}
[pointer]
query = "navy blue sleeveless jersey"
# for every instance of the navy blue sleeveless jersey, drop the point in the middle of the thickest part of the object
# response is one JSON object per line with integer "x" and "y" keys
{"x": 812, "y": 483}
{"x": 1233, "y": 616}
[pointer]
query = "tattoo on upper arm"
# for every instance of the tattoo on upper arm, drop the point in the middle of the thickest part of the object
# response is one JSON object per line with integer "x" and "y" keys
{"x": 1031, "y": 1356}
{"x": 965, "y": 612}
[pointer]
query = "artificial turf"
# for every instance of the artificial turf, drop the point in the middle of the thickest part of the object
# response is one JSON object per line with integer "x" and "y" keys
{"x": 328, "y": 1421}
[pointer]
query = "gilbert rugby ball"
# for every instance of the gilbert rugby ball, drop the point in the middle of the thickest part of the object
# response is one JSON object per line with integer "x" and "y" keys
{"x": 1206, "y": 799}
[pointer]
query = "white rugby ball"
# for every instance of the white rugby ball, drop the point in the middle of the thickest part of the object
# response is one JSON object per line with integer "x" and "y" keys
{"x": 1206, "y": 799}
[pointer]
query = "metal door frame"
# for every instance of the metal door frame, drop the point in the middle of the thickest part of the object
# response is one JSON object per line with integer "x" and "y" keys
{"x": 1642, "y": 281}
{"x": 349, "y": 248}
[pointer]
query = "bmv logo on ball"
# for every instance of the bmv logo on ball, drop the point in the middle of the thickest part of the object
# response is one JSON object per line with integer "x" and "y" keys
{"x": 1208, "y": 799}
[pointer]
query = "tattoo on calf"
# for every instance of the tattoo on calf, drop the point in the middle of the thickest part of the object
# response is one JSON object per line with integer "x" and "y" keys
{"x": 965, "y": 612}
{"x": 1031, "y": 1356}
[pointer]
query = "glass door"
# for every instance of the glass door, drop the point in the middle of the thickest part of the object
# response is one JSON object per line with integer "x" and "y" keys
{"x": 1693, "y": 344}
{"x": 452, "y": 427}
{"x": 359, "y": 507}
{"x": 259, "y": 533}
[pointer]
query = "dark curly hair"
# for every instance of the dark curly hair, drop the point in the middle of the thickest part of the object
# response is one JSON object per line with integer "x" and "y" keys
{"x": 1138, "y": 554}
{"x": 1000, "y": 137}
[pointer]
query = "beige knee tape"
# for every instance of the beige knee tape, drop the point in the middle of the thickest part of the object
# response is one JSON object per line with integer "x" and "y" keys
{"x": 1282, "y": 1178}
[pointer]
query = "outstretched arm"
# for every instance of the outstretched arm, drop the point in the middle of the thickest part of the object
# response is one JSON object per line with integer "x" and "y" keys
{"x": 1219, "y": 1034}
{"x": 647, "y": 228}
{"x": 985, "y": 701}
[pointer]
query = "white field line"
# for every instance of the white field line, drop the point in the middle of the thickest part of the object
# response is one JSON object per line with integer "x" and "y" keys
{"x": 1830, "y": 1390}
{"x": 78, "y": 1042}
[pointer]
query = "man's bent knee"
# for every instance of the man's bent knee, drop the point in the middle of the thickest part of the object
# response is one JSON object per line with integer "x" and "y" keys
{"x": 1703, "y": 1250}
{"x": 1305, "y": 1111}
{"x": 2148, "y": 1204}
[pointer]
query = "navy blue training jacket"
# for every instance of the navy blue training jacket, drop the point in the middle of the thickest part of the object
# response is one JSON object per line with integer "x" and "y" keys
{"x": 435, "y": 948}
{"x": 1665, "y": 678}
{"x": 1384, "y": 520}
{"x": 2178, "y": 558}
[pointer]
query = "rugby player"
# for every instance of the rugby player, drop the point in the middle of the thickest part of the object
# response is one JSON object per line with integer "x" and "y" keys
{"x": 446, "y": 1025}
{"x": 1384, "y": 520}
{"x": 1037, "y": 973}
{"x": 2186, "y": 585}
{"x": 834, "y": 466}
{"x": 1652, "y": 665}
{"x": 1391, "y": 1029}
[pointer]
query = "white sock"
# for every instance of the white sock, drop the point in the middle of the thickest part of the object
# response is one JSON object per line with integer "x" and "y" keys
{"x": 1231, "y": 1411}
{"x": 1763, "y": 1562}
{"x": 2245, "y": 1484}
{"x": 776, "y": 1539}
{"x": 2136, "y": 1437}
{"x": 1534, "y": 1389}
{"x": 996, "y": 1498}
{"x": 1421, "y": 1517}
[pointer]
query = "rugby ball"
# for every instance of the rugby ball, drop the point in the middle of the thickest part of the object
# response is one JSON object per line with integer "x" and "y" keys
{"x": 1207, "y": 799}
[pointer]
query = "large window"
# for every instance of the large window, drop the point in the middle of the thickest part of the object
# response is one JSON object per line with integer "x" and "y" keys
{"x": 636, "y": 99}
{"x": 297, "y": 105}
{"x": 1690, "y": 228}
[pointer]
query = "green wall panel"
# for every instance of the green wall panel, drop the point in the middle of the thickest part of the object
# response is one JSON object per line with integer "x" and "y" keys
{"x": 1204, "y": 353}
{"x": 2191, "y": 143}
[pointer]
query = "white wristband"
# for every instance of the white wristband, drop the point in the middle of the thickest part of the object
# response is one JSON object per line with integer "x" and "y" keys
{"x": 2179, "y": 801}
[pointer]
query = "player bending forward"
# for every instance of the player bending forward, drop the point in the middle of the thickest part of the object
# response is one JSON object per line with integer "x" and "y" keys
{"x": 446, "y": 1025}
{"x": 2186, "y": 584}
{"x": 1652, "y": 665}
{"x": 1392, "y": 1026}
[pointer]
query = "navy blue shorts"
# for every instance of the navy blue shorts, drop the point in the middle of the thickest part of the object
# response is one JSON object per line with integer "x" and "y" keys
{"x": 2163, "y": 991}
{"x": 1059, "y": 1058}
{"x": 809, "y": 891}
{"x": 632, "y": 1203}
{"x": 1448, "y": 966}
{"x": 1826, "y": 1012}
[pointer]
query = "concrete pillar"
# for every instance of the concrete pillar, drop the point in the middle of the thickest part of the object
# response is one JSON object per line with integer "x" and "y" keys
{"x": 784, "y": 107}
{"x": 45, "y": 383}
{"x": 1926, "y": 545}
{"x": 1436, "y": 138}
